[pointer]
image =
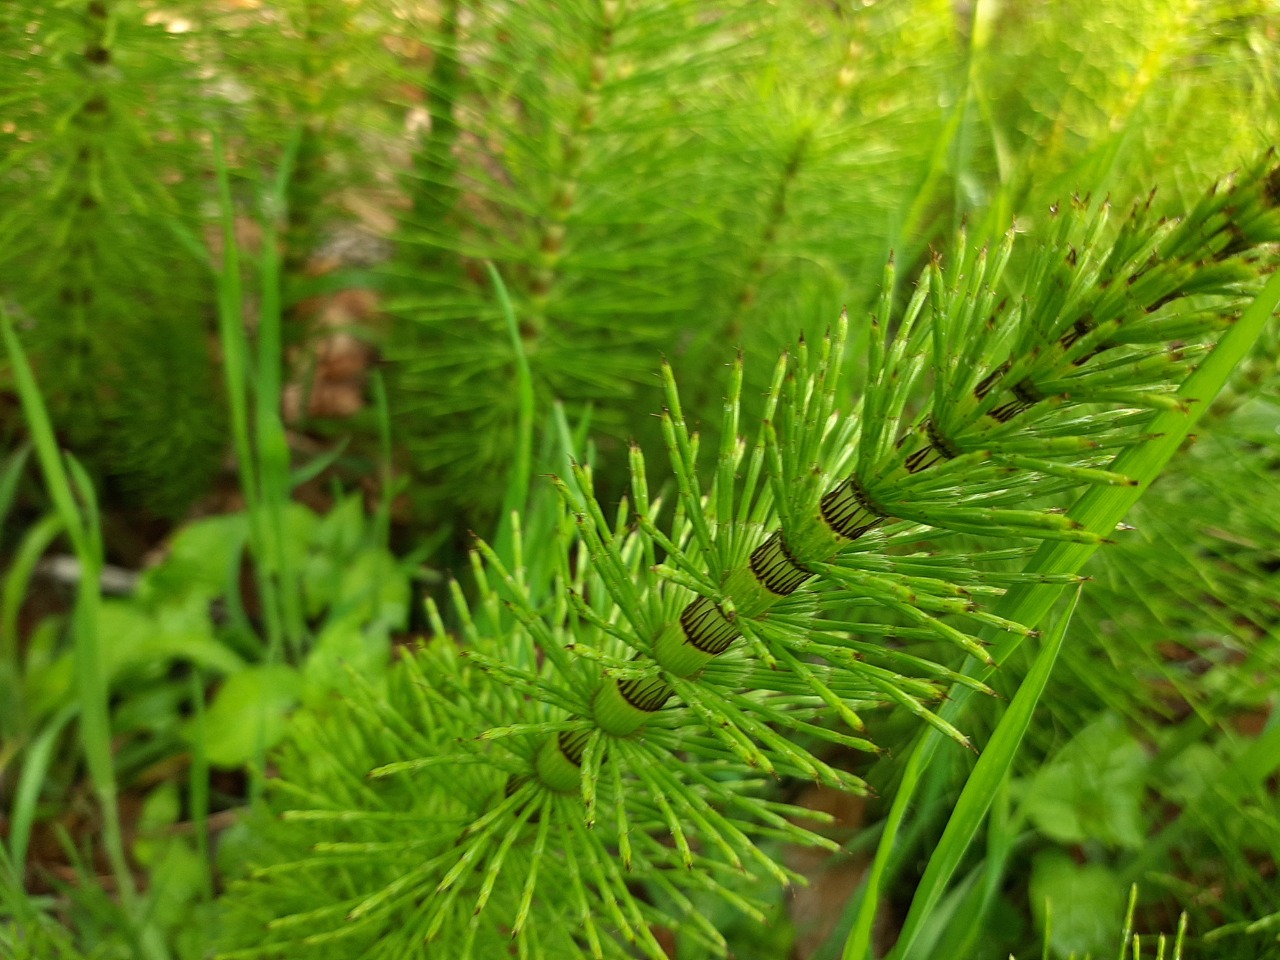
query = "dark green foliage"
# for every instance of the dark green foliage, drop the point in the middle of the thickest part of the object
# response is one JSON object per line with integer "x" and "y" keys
{"x": 759, "y": 159}
{"x": 27, "y": 931}
{"x": 645, "y": 178}
{"x": 100, "y": 155}
{"x": 762, "y": 161}
{"x": 1121, "y": 98}
{"x": 566, "y": 145}
{"x": 1149, "y": 758}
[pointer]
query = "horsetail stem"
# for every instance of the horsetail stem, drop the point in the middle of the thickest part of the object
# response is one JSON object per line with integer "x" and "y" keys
{"x": 1084, "y": 322}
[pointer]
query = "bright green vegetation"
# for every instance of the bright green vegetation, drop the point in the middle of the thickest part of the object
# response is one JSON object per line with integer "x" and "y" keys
{"x": 764, "y": 406}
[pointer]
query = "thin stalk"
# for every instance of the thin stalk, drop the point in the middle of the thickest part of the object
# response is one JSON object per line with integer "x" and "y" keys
{"x": 562, "y": 198}
{"x": 90, "y": 123}
{"x": 199, "y": 786}
{"x": 236, "y": 363}
{"x": 35, "y": 766}
{"x": 386, "y": 479}
{"x": 10, "y": 474}
{"x": 272, "y": 445}
{"x": 517, "y": 493}
{"x": 434, "y": 191}
{"x": 22, "y": 565}
{"x": 946, "y": 151}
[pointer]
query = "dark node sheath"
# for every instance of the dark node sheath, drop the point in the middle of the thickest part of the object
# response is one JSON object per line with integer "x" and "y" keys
{"x": 848, "y": 511}
{"x": 775, "y": 567}
{"x": 707, "y": 628}
{"x": 572, "y": 744}
{"x": 645, "y": 693}
{"x": 990, "y": 380}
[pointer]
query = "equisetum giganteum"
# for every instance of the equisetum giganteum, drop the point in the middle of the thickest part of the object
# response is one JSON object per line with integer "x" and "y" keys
{"x": 587, "y": 756}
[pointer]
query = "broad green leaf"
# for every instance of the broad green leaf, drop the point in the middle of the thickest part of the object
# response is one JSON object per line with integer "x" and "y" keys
{"x": 1081, "y": 905}
{"x": 160, "y": 810}
{"x": 299, "y": 525}
{"x": 249, "y": 713}
{"x": 125, "y": 630}
{"x": 341, "y": 530}
{"x": 177, "y": 876}
{"x": 199, "y": 559}
{"x": 344, "y": 643}
{"x": 1092, "y": 789}
{"x": 134, "y": 640}
{"x": 374, "y": 587}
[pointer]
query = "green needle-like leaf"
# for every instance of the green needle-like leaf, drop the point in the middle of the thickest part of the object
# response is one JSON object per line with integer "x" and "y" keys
{"x": 980, "y": 787}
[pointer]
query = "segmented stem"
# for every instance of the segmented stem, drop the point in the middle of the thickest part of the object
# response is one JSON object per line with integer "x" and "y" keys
{"x": 1190, "y": 257}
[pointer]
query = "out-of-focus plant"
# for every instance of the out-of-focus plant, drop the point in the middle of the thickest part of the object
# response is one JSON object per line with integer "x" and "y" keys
{"x": 1118, "y": 98}
{"x": 646, "y": 177}
{"x": 99, "y": 151}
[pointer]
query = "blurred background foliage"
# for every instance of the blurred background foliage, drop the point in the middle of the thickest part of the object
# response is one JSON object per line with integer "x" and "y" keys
{"x": 673, "y": 177}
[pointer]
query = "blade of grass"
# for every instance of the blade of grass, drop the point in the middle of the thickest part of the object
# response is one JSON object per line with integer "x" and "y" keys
{"x": 272, "y": 445}
{"x": 88, "y": 500}
{"x": 236, "y": 364}
{"x": 9, "y": 477}
{"x": 1098, "y": 510}
{"x": 313, "y": 468}
{"x": 961, "y": 938}
{"x": 199, "y": 787}
{"x": 980, "y": 788}
{"x": 35, "y": 765}
{"x": 949, "y": 151}
{"x": 21, "y": 566}
{"x": 42, "y": 436}
{"x": 90, "y": 672}
{"x": 1248, "y": 772}
{"x": 517, "y": 492}
{"x": 386, "y": 493}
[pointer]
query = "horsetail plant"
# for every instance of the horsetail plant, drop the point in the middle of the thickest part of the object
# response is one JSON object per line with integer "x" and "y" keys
{"x": 608, "y": 729}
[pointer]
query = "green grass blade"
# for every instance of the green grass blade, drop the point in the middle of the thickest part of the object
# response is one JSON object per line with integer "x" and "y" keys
{"x": 961, "y": 938}
{"x": 517, "y": 492}
{"x": 88, "y": 501}
{"x": 386, "y": 478}
{"x": 9, "y": 477}
{"x": 272, "y": 446}
{"x": 980, "y": 788}
{"x": 48, "y": 453}
{"x": 91, "y": 677}
{"x": 231, "y": 336}
{"x": 237, "y": 367}
{"x": 318, "y": 465}
{"x": 34, "y": 767}
{"x": 1098, "y": 510}
{"x": 14, "y": 589}
{"x": 199, "y": 785}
